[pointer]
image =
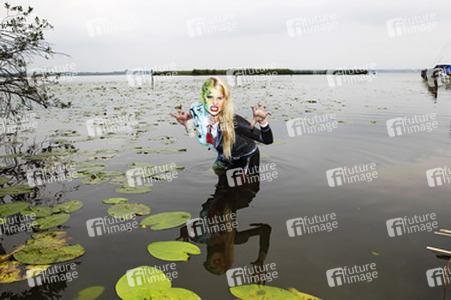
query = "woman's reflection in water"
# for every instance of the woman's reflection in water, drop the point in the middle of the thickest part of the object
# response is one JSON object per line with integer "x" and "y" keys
{"x": 219, "y": 228}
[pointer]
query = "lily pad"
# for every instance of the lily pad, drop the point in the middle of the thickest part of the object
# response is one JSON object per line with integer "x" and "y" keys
{"x": 68, "y": 207}
{"x": 93, "y": 179}
{"x": 127, "y": 210}
{"x": 139, "y": 189}
{"x": 52, "y": 221}
{"x": 38, "y": 211}
{"x": 166, "y": 220}
{"x": 92, "y": 169}
{"x": 174, "y": 293}
{"x": 172, "y": 150}
{"x": 90, "y": 293}
{"x": 10, "y": 209}
{"x": 303, "y": 296}
{"x": 256, "y": 291}
{"x": 3, "y": 180}
{"x": 115, "y": 200}
{"x": 146, "y": 150}
{"x": 15, "y": 190}
{"x": 10, "y": 155}
{"x": 84, "y": 164}
{"x": 47, "y": 248}
{"x": 172, "y": 250}
{"x": 140, "y": 282}
{"x": 119, "y": 180}
{"x": 12, "y": 271}
{"x": 140, "y": 165}
{"x": 110, "y": 173}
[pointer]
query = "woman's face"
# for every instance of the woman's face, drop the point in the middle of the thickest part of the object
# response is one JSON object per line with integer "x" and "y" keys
{"x": 213, "y": 101}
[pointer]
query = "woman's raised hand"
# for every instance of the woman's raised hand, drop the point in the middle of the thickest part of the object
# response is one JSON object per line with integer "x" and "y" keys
{"x": 259, "y": 114}
{"x": 182, "y": 117}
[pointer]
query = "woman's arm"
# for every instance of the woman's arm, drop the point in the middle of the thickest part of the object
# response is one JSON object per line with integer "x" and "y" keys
{"x": 262, "y": 135}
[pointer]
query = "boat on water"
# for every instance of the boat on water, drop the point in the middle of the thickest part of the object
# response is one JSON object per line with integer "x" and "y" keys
{"x": 439, "y": 75}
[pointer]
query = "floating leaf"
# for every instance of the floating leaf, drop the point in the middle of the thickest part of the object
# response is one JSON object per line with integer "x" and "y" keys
{"x": 10, "y": 155}
{"x": 38, "y": 211}
{"x": 115, "y": 200}
{"x": 3, "y": 180}
{"x": 172, "y": 150}
{"x": 92, "y": 169}
{"x": 140, "y": 282}
{"x": 110, "y": 173}
{"x": 146, "y": 150}
{"x": 139, "y": 189}
{"x": 140, "y": 165}
{"x": 120, "y": 180}
{"x": 12, "y": 271}
{"x": 256, "y": 291}
{"x": 15, "y": 190}
{"x": 10, "y": 209}
{"x": 48, "y": 247}
{"x": 166, "y": 220}
{"x": 106, "y": 156}
{"x": 84, "y": 164}
{"x": 90, "y": 293}
{"x": 303, "y": 296}
{"x": 51, "y": 221}
{"x": 127, "y": 210}
{"x": 172, "y": 250}
{"x": 69, "y": 206}
{"x": 93, "y": 179}
{"x": 173, "y": 293}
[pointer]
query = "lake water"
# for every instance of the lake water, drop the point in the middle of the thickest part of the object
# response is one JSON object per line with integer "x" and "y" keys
{"x": 364, "y": 209}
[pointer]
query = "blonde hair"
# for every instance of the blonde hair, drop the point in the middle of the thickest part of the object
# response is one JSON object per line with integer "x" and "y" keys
{"x": 226, "y": 120}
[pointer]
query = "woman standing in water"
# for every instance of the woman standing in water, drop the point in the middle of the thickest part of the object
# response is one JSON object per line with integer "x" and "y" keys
{"x": 219, "y": 128}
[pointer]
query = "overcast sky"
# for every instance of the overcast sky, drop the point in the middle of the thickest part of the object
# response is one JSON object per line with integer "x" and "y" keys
{"x": 110, "y": 35}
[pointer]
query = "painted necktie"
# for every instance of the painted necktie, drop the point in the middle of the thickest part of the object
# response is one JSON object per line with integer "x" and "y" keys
{"x": 209, "y": 136}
